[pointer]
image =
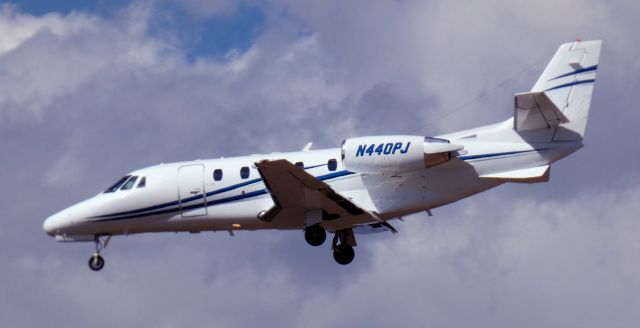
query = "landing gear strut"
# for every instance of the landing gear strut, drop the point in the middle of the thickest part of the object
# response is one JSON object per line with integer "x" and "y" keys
{"x": 315, "y": 235}
{"x": 96, "y": 262}
{"x": 343, "y": 251}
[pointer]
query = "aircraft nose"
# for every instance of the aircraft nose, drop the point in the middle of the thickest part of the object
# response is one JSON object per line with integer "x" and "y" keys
{"x": 55, "y": 223}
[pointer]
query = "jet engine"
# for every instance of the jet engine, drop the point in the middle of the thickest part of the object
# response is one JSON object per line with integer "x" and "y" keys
{"x": 394, "y": 154}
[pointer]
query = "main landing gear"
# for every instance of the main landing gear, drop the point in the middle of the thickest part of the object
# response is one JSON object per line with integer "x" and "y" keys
{"x": 342, "y": 245}
{"x": 96, "y": 262}
{"x": 343, "y": 242}
{"x": 315, "y": 235}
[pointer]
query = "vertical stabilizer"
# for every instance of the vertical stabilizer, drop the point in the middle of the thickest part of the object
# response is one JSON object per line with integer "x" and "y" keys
{"x": 568, "y": 82}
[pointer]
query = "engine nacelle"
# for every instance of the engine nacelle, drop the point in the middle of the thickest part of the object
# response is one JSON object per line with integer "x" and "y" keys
{"x": 394, "y": 154}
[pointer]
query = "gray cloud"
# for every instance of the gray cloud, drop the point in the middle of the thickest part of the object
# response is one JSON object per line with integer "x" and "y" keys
{"x": 85, "y": 99}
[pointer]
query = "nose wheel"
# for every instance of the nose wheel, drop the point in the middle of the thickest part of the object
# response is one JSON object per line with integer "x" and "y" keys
{"x": 96, "y": 262}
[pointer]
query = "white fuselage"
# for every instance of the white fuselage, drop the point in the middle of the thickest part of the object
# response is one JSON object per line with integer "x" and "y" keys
{"x": 185, "y": 196}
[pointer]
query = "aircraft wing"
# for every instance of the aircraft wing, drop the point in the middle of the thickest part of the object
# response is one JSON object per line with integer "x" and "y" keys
{"x": 293, "y": 189}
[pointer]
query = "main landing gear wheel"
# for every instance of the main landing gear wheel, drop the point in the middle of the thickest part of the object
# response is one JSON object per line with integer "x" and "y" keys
{"x": 96, "y": 262}
{"x": 343, "y": 242}
{"x": 315, "y": 235}
{"x": 343, "y": 254}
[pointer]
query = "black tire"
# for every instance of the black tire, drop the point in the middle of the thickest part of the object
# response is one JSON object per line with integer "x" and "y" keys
{"x": 343, "y": 254}
{"x": 315, "y": 235}
{"x": 96, "y": 262}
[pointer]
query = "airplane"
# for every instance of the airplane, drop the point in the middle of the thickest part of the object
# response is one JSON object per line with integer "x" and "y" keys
{"x": 357, "y": 188}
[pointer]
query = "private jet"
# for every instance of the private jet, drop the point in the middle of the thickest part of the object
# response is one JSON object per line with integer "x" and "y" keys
{"x": 360, "y": 187}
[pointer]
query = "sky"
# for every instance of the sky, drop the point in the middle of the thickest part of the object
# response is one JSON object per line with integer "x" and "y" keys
{"x": 92, "y": 90}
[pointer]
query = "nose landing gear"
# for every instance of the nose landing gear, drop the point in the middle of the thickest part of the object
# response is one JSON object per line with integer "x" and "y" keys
{"x": 96, "y": 262}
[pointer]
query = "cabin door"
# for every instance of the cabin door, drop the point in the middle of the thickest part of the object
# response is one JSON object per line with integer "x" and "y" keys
{"x": 191, "y": 193}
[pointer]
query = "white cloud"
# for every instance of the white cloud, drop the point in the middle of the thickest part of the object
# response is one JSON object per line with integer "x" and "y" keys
{"x": 52, "y": 56}
{"x": 17, "y": 28}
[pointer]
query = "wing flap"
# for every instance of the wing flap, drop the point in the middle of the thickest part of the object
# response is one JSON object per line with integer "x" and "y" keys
{"x": 528, "y": 175}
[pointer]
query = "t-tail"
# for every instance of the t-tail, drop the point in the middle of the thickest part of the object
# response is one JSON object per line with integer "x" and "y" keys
{"x": 562, "y": 95}
{"x": 560, "y": 99}
{"x": 548, "y": 124}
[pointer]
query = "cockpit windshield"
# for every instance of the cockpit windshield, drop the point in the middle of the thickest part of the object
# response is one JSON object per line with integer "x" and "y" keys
{"x": 117, "y": 185}
{"x": 130, "y": 183}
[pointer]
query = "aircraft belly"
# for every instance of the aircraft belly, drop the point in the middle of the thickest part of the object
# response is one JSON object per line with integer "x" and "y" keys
{"x": 417, "y": 191}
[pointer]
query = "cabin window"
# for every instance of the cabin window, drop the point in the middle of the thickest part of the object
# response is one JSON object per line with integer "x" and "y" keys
{"x": 143, "y": 182}
{"x": 117, "y": 185}
{"x": 130, "y": 183}
{"x": 300, "y": 165}
{"x": 332, "y": 164}
{"x": 217, "y": 174}
{"x": 244, "y": 172}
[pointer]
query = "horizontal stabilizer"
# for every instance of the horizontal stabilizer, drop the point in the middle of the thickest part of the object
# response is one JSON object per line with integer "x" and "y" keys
{"x": 534, "y": 110}
{"x": 530, "y": 175}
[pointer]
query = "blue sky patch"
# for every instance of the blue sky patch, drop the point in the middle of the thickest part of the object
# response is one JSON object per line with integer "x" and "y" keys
{"x": 215, "y": 35}
{"x": 212, "y": 36}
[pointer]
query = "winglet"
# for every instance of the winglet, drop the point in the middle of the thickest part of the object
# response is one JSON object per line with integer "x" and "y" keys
{"x": 307, "y": 146}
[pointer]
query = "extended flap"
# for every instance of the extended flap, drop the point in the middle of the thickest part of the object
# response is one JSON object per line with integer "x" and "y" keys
{"x": 528, "y": 175}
